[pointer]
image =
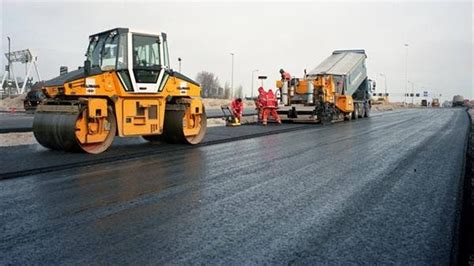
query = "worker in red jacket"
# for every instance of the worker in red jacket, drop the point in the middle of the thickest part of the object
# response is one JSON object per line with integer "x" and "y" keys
{"x": 261, "y": 102}
{"x": 262, "y": 97}
{"x": 285, "y": 76}
{"x": 237, "y": 107}
{"x": 271, "y": 107}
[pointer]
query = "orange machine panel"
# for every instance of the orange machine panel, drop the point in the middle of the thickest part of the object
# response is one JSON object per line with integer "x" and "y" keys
{"x": 140, "y": 117}
{"x": 345, "y": 103}
{"x": 302, "y": 87}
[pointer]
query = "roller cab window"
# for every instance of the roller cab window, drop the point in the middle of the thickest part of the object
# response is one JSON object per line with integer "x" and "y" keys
{"x": 94, "y": 50}
{"x": 108, "y": 51}
{"x": 146, "y": 58}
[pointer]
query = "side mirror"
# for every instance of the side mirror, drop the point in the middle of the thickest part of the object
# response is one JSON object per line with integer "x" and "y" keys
{"x": 87, "y": 67}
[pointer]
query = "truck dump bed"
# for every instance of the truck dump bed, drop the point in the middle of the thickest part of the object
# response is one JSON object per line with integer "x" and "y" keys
{"x": 347, "y": 66}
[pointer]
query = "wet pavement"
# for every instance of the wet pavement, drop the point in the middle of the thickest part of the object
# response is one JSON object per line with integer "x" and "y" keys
{"x": 23, "y": 122}
{"x": 17, "y": 122}
{"x": 27, "y": 159}
{"x": 378, "y": 190}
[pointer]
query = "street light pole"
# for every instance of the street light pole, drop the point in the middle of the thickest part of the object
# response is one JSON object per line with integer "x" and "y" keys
{"x": 9, "y": 66}
{"x": 406, "y": 71}
{"x": 385, "y": 96}
{"x": 232, "y": 78}
{"x": 385, "y": 78}
{"x": 253, "y": 72}
{"x": 412, "y": 91}
{"x": 9, "y": 59}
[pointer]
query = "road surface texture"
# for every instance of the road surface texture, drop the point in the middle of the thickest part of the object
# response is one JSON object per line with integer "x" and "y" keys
{"x": 23, "y": 122}
{"x": 17, "y": 122}
{"x": 379, "y": 190}
{"x": 24, "y": 159}
{"x": 467, "y": 216}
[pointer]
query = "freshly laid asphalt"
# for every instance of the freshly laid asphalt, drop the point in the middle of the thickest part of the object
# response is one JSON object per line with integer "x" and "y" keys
{"x": 382, "y": 190}
{"x": 23, "y": 122}
{"x": 25, "y": 159}
{"x": 17, "y": 122}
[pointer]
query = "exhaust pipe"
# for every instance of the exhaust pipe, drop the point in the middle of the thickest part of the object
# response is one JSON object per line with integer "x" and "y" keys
{"x": 284, "y": 93}
{"x": 310, "y": 92}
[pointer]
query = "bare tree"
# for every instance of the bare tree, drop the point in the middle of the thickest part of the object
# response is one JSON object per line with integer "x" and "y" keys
{"x": 209, "y": 84}
{"x": 227, "y": 91}
{"x": 239, "y": 92}
{"x": 221, "y": 93}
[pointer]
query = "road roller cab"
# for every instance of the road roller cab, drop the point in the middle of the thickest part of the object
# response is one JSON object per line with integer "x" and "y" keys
{"x": 125, "y": 88}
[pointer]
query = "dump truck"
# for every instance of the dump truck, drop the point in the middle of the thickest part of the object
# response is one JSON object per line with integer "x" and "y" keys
{"x": 337, "y": 89}
{"x": 458, "y": 100}
{"x": 126, "y": 88}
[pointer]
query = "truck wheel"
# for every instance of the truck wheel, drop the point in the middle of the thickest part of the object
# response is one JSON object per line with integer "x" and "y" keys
{"x": 361, "y": 111}
{"x": 367, "y": 111}
{"x": 355, "y": 113}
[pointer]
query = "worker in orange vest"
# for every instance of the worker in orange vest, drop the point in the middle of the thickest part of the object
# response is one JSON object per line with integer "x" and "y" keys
{"x": 285, "y": 76}
{"x": 270, "y": 108}
{"x": 237, "y": 107}
{"x": 261, "y": 102}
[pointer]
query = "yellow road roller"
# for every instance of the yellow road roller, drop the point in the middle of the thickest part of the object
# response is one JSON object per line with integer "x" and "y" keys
{"x": 127, "y": 88}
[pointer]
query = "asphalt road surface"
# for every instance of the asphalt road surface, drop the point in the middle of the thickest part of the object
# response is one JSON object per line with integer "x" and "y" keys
{"x": 23, "y": 122}
{"x": 379, "y": 190}
{"x": 18, "y": 122}
{"x": 34, "y": 158}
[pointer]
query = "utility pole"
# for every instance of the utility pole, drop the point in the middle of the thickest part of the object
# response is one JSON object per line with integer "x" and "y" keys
{"x": 385, "y": 78}
{"x": 406, "y": 71}
{"x": 9, "y": 67}
{"x": 386, "y": 95}
{"x": 253, "y": 72}
{"x": 412, "y": 91}
{"x": 179, "y": 60}
{"x": 232, "y": 78}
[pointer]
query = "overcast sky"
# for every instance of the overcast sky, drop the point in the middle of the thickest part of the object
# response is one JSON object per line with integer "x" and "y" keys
{"x": 264, "y": 35}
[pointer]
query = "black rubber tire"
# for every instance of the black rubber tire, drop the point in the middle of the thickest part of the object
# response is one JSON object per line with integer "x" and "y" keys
{"x": 57, "y": 131}
{"x": 355, "y": 113}
{"x": 361, "y": 111}
{"x": 173, "y": 128}
{"x": 367, "y": 110}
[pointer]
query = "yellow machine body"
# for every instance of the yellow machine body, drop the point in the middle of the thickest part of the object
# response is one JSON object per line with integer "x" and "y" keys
{"x": 325, "y": 86}
{"x": 136, "y": 114}
{"x": 324, "y": 91}
{"x": 86, "y": 112}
